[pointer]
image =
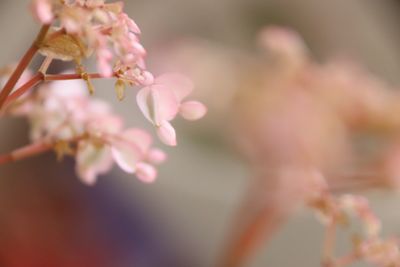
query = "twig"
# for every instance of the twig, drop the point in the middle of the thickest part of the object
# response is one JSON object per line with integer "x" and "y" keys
{"x": 22, "y": 65}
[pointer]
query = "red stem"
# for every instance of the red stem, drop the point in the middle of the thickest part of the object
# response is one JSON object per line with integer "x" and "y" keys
{"x": 60, "y": 77}
{"x": 24, "y": 88}
{"x": 39, "y": 77}
{"x": 33, "y": 150}
{"x": 22, "y": 65}
{"x": 25, "y": 152}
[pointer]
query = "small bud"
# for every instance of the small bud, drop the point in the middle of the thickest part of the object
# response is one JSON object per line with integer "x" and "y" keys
{"x": 62, "y": 148}
{"x": 120, "y": 89}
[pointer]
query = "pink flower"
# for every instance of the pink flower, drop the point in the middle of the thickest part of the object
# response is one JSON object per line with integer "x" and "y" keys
{"x": 63, "y": 111}
{"x": 92, "y": 160}
{"x": 162, "y": 101}
{"x": 97, "y": 28}
{"x": 42, "y": 10}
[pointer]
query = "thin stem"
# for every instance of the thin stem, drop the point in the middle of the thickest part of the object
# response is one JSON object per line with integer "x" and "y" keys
{"x": 35, "y": 80}
{"x": 33, "y": 150}
{"x": 74, "y": 76}
{"x": 22, "y": 65}
{"x": 25, "y": 152}
{"x": 45, "y": 65}
{"x": 347, "y": 260}
{"x": 329, "y": 243}
{"x": 40, "y": 77}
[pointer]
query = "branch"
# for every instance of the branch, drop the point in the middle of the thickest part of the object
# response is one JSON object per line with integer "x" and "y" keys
{"x": 34, "y": 150}
{"x": 25, "y": 152}
{"x": 24, "y": 88}
{"x": 22, "y": 65}
{"x": 63, "y": 77}
{"x": 40, "y": 77}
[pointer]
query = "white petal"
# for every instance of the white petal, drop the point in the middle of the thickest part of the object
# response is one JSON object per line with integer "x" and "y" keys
{"x": 147, "y": 104}
{"x": 92, "y": 160}
{"x": 167, "y": 133}
{"x": 126, "y": 156}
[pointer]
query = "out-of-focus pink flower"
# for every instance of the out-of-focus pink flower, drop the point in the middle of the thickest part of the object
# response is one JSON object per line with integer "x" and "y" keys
{"x": 62, "y": 111}
{"x": 162, "y": 101}
{"x": 359, "y": 205}
{"x": 42, "y": 10}
{"x": 382, "y": 253}
{"x": 92, "y": 160}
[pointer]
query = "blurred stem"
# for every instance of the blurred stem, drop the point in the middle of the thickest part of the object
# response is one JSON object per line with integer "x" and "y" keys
{"x": 34, "y": 149}
{"x": 248, "y": 240}
{"x": 25, "y": 152}
{"x": 256, "y": 220}
{"x": 22, "y": 65}
{"x": 347, "y": 260}
{"x": 329, "y": 244}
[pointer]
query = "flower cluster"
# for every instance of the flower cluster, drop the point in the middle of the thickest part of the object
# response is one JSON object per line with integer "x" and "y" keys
{"x": 62, "y": 113}
{"x": 104, "y": 29}
{"x": 336, "y": 211}
{"x": 293, "y": 116}
{"x": 95, "y": 27}
{"x": 162, "y": 101}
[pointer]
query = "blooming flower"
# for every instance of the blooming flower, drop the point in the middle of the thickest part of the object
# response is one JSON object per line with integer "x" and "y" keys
{"x": 162, "y": 101}
{"x": 63, "y": 112}
{"x": 93, "y": 27}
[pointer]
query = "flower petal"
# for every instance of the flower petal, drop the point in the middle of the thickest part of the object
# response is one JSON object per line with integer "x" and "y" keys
{"x": 138, "y": 137}
{"x": 126, "y": 156}
{"x": 146, "y": 172}
{"x": 145, "y": 101}
{"x": 92, "y": 160}
{"x": 156, "y": 156}
{"x": 193, "y": 110}
{"x": 42, "y": 11}
{"x": 181, "y": 85}
{"x": 166, "y": 102}
{"x": 167, "y": 133}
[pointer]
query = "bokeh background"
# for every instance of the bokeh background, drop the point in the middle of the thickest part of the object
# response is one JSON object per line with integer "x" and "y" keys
{"x": 48, "y": 218}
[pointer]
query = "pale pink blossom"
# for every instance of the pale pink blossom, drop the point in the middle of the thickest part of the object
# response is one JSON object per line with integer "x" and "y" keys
{"x": 162, "y": 101}
{"x": 98, "y": 28}
{"x": 63, "y": 111}
{"x": 382, "y": 253}
{"x": 42, "y": 10}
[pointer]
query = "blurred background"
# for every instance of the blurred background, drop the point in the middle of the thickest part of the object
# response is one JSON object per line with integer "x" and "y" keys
{"x": 48, "y": 218}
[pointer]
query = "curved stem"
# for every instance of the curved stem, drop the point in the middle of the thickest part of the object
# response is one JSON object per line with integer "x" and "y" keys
{"x": 329, "y": 244}
{"x": 22, "y": 65}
